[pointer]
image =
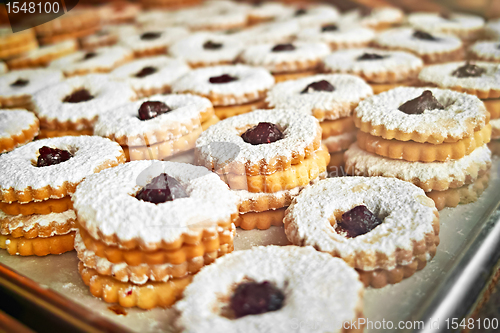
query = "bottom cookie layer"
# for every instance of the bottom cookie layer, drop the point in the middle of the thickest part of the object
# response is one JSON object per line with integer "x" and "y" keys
{"x": 147, "y": 296}
{"x": 262, "y": 220}
{"x": 38, "y": 246}
{"x": 460, "y": 196}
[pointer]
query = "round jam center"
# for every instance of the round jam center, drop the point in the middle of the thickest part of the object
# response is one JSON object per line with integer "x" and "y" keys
{"x": 358, "y": 221}
{"x": 300, "y": 12}
{"x": 89, "y": 55}
{"x": 426, "y": 101}
{"x": 161, "y": 189}
{"x": 78, "y": 96}
{"x": 283, "y": 48}
{"x": 371, "y": 56}
{"x": 150, "y": 35}
{"x": 468, "y": 70}
{"x": 252, "y": 298}
{"x": 19, "y": 83}
{"x": 262, "y": 133}
{"x": 322, "y": 85}
{"x": 146, "y": 71}
{"x": 424, "y": 35}
{"x": 212, "y": 45}
{"x": 151, "y": 109}
{"x": 225, "y": 78}
{"x": 329, "y": 27}
{"x": 51, "y": 156}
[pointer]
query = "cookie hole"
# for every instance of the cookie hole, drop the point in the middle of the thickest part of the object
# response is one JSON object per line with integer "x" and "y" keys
{"x": 78, "y": 95}
{"x": 357, "y": 221}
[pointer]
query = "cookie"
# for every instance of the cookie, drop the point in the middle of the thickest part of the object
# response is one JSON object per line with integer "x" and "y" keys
{"x": 348, "y": 218}
{"x": 337, "y": 126}
{"x": 309, "y": 15}
{"x": 340, "y": 142}
{"x": 264, "y": 288}
{"x": 378, "y": 18}
{"x": 280, "y": 32}
{"x": 326, "y": 97}
{"x": 268, "y": 11}
{"x": 77, "y": 23}
{"x": 17, "y": 127}
{"x": 338, "y": 35}
{"x": 22, "y": 182}
{"x": 75, "y": 103}
{"x": 456, "y": 117}
{"x": 152, "y": 42}
{"x": 100, "y": 60}
{"x": 465, "y": 26}
{"x": 152, "y": 75}
{"x": 286, "y": 60}
{"x": 37, "y": 226}
{"x": 239, "y": 86}
{"x": 18, "y": 87}
{"x": 40, "y": 247}
{"x": 40, "y": 208}
{"x": 207, "y": 49}
{"x": 384, "y": 70}
{"x": 432, "y": 48}
{"x": 436, "y": 176}
{"x": 42, "y": 56}
{"x": 485, "y": 51}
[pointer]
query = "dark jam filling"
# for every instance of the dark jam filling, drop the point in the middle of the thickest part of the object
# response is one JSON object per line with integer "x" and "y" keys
{"x": 283, "y": 47}
{"x": 468, "y": 70}
{"x": 80, "y": 95}
{"x": 150, "y": 35}
{"x": 146, "y": 71}
{"x": 300, "y": 12}
{"x": 251, "y": 298}
{"x": 419, "y": 34}
{"x": 19, "y": 83}
{"x": 322, "y": 85}
{"x": 358, "y": 221}
{"x": 52, "y": 156}
{"x": 150, "y": 110}
{"x": 371, "y": 56}
{"x": 212, "y": 45}
{"x": 263, "y": 133}
{"x": 161, "y": 189}
{"x": 89, "y": 55}
{"x": 426, "y": 101}
{"x": 225, "y": 78}
{"x": 329, "y": 27}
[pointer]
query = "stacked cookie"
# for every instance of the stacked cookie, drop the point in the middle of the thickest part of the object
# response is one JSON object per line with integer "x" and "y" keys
{"x": 71, "y": 107}
{"x": 330, "y": 99}
{"x": 266, "y": 157}
{"x": 17, "y": 127}
{"x": 15, "y": 44}
{"x": 42, "y": 56}
{"x": 37, "y": 180}
{"x": 481, "y": 79}
{"x": 144, "y": 228}
{"x": 74, "y": 24}
{"x": 431, "y": 137}
{"x": 157, "y": 127}
{"x": 383, "y": 70}
{"x": 17, "y": 88}
{"x": 233, "y": 90}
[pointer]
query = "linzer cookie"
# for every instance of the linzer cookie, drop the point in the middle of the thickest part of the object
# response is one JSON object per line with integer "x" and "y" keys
{"x": 151, "y": 42}
{"x": 145, "y": 216}
{"x": 36, "y": 216}
{"x": 443, "y": 115}
{"x": 17, "y": 127}
{"x": 100, "y": 60}
{"x": 259, "y": 290}
{"x": 384, "y": 70}
{"x": 465, "y": 26}
{"x": 286, "y": 61}
{"x": 152, "y": 75}
{"x": 72, "y": 106}
{"x": 232, "y": 90}
{"x": 18, "y": 87}
{"x": 338, "y": 35}
{"x": 107, "y": 36}
{"x": 207, "y": 49}
{"x": 157, "y": 127}
{"x": 312, "y": 15}
{"x": 432, "y": 48}
{"x": 42, "y": 56}
{"x": 378, "y": 18}
{"x": 385, "y": 228}
{"x": 268, "y": 11}
{"x": 485, "y": 51}
{"x": 15, "y": 44}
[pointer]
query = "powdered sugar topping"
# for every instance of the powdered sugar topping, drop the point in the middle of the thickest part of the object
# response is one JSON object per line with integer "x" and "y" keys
{"x": 486, "y": 50}
{"x": 37, "y": 80}
{"x": 344, "y": 34}
{"x": 14, "y": 122}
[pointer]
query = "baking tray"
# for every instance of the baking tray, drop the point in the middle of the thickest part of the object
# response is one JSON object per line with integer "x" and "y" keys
{"x": 446, "y": 288}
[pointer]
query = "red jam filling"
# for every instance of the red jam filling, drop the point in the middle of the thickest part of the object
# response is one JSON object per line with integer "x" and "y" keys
{"x": 150, "y": 35}
{"x": 146, "y": 71}
{"x": 322, "y": 85}
{"x": 19, "y": 83}
{"x": 283, "y": 48}
{"x": 161, "y": 189}
{"x": 80, "y": 95}
{"x": 253, "y": 298}
{"x": 212, "y": 45}
{"x": 150, "y": 110}
{"x": 358, "y": 221}
{"x": 52, "y": 156}
{"x": 262, "y": 133}
{"x": 225, "y": 78}
{"x": 426, "y": 101}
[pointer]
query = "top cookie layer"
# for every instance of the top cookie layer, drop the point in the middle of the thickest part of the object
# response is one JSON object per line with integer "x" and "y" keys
{"x": 26, "y": 82}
